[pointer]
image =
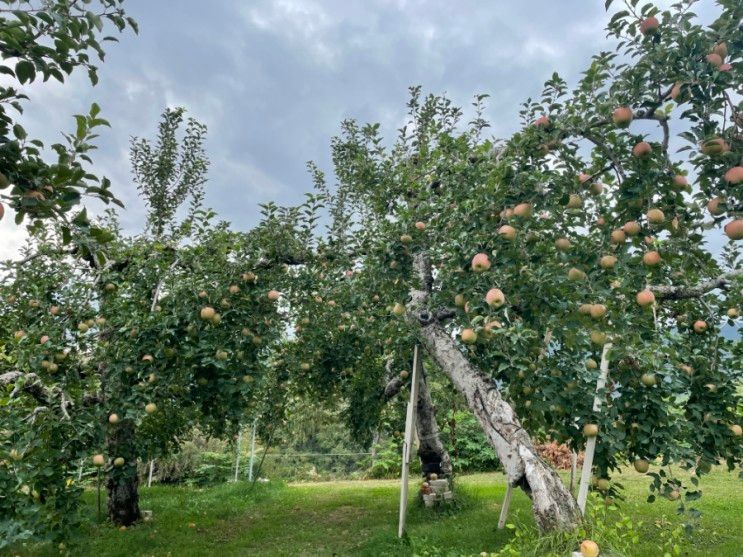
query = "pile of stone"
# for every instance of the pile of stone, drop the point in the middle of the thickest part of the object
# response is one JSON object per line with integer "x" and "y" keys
{"x": 436, "y": 491}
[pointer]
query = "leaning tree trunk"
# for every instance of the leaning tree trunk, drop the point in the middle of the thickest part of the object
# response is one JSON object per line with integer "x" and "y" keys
{"x": 431, "y": 451}
{"x": 553, "y": 505}
{"x": 122, "y": 483}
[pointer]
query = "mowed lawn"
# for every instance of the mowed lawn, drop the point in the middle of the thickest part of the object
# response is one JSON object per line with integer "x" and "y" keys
{"x": 360, "y": 518}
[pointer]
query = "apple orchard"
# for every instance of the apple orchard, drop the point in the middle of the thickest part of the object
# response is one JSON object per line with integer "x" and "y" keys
{"x": 607, "y": 230}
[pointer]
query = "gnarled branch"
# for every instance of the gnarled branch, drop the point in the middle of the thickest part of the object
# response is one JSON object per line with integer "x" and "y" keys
{"x": 669, "y": 292}
{"x": 31, "y": 384}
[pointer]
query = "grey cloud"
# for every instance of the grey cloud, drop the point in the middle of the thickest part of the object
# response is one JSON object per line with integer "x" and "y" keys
{"x": 273, "y": 78}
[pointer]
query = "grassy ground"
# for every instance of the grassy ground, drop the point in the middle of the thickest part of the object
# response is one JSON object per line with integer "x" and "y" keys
{"x": 360, "y": 518}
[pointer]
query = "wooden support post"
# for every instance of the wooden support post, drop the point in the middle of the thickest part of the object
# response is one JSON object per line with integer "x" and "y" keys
{"x": 252, "y": 451}
{"x": 585, "y": 476}
{"x": 149, "y": 476}
{"x": 505, "y": 507}
{"x": 237, "y": 452}
{"x": 573, "y": 469}
{"x": 407, "y": 444}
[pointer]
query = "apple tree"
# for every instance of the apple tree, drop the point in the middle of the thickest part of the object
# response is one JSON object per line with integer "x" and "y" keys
{"x": 42, "y": 40}
{"x": 110, "y": 359}
{"x": 606, "y": 229}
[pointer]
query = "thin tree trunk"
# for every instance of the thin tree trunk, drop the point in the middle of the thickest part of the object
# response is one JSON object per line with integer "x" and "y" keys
{"x": 553, "y": 505}
{"x": 122, "y": 482}
{"x": 433, "y": 455}
{"x": 431, "y": 451}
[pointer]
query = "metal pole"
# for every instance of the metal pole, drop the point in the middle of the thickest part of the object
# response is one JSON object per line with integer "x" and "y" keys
{"x": 585, "y": 476}
{"x": 237, "y": 456}
{"x": 149, "y": 476}
{"x": 252, "y": 451}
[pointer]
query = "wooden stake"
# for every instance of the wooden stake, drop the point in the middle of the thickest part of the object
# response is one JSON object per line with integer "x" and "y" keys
{"x": 407, "y": 443}
{"x": 149, "y": 475}
{"x": 98, "y": 482}
{"x": 237, "y": 456}
{"x": 573, "y": 469}
{"x": 505, "y": 507}
{"x": 252, "y": 451}
{"x": 585, "y": 476}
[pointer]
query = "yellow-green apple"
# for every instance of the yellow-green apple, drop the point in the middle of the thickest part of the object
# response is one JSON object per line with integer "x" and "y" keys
{"x": 655, "y": 216}
{"x": 607, "y": 261}
{"x": 507, "y": 231}
{"x": 468, "y": 336}
{"x": 641, "y": 465}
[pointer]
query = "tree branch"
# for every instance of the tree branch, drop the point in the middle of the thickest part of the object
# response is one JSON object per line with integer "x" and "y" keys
{"x": 668, "y": 292}
{"x": 31, "y": 385}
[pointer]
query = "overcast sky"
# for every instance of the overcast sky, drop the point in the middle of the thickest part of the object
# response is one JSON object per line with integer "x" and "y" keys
{"x": 272, "y": 79}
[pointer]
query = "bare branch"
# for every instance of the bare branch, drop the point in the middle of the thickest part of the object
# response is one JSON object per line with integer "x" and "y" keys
{"x": 669, "y": 292}
{"x": 30, "y": 384}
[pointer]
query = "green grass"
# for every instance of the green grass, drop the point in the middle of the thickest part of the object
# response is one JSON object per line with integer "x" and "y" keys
{"x": 360, "y": 518}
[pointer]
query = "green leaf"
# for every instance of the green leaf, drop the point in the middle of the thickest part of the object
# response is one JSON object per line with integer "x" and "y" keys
{"x": 25, "y": 71}
{"x": 19, "y": 132}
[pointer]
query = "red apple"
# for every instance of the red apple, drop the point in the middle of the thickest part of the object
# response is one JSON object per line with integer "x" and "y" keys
{"x": 622, "y": 116}
{"x": 734, "y": 175}
{"x": 480, "y": 263}
{"x": 714, "y": 59}
{"x": 523, "y": 210}
{"x": 651, "y": 258}
{"x": 734, "y": 229}
{"x": 468, "y": 336}
{"x": 508, "y": 232}
{"x": 645, "y": 297}
{"x": 649, "y": 25}
{"x": 495, "y": 297}
{"x": 642, "y": 149}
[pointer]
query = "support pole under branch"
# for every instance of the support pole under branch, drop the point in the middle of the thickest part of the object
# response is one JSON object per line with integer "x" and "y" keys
{"x": 407, "y": 444}
{"x": 237, "y": 452}
{"x": 504, "y": 509}
{"x": 585, "y": 476}
{"x": 252, "y": 451}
